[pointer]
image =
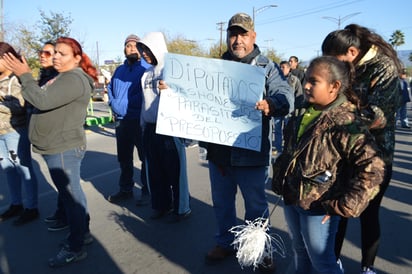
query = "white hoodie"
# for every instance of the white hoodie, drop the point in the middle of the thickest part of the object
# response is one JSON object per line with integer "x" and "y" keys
{"x": 155, "y": 41}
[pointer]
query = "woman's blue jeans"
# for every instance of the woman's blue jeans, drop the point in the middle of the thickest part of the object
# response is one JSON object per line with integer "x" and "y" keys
{"x": 64, "y": 170}
{"x": 313, "y": 242}
{"x": 16, "y": 162}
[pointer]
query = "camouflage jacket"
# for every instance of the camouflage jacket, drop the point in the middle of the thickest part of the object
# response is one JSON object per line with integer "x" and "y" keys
{"x": 377, "y": 85}
{"x": 335, "y": 165}
{"x": 12, "y": 109}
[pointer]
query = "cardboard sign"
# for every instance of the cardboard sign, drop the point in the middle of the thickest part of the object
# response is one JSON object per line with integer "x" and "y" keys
{"x": 211, "y": 100}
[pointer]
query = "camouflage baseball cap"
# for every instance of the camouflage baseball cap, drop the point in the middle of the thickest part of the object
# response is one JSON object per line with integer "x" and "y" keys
{"x": 241, "y": 20}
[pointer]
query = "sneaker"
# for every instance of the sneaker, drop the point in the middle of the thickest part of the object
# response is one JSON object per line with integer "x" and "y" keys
{"x": 27, "y": 216}
{"x": 267, "y": 266}
{"x": 175, "y": 218}
{"x": 12, "y": 211}
{"x": 66, "y": 256}
{"x": 368, "y": 270}
{"x": 218, "y": 254}
{"x": 59, "y": 225}
{"x": 88, "y": 239}
{"x": 120, "y": 196}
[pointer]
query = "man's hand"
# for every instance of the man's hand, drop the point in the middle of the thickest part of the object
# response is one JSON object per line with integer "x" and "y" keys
{"x": 162, "y": 85}
{"x": 263, "y": 105}
{"x": 325, "y": 218}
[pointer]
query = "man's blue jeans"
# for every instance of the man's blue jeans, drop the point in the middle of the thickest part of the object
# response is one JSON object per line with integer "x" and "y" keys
{"x": 16, "y": 162}
{"x": 64, "y": 170}
{"x": 224, "y": 184}
{"x": 313, "y": 242}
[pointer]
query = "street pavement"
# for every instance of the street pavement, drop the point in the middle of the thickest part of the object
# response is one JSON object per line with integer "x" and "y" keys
{"x": 127, "y": 241}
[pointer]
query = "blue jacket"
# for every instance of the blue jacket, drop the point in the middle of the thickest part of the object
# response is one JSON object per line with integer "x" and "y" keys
{"x": 125, "y": 90}
{"x": 281, "y": 100}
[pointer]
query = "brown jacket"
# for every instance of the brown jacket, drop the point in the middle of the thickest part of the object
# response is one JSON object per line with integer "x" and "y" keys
{"x": 12, "y": 110}
{"x": 335, "y": 165}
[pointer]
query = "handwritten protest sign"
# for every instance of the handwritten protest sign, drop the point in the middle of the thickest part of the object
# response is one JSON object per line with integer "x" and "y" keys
{"x": 211, "y": 100}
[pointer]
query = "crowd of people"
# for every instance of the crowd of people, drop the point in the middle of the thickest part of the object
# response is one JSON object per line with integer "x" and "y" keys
{"x": 332, "y": 126}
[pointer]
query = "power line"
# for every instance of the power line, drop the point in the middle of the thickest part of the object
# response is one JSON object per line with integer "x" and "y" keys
{"x": 310, "y": 11}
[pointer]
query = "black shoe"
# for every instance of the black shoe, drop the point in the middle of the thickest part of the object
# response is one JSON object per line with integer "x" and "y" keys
{"x": 52, "y": 219}
{"x": 218, "y": 254}
{"x": 58, "y": 225}
{"x": 175, "y": 218}
{"x": 267, "y": 266}
{"x": 27, "y": 216}
{"x": 157, "y": 214}
{"x": 12, "y": 211}
{"x": 142, "y": 201}
{"x": 120, "y": 196}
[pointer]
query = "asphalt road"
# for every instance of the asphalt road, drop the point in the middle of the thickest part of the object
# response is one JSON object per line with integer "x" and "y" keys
{"x": 127, "y": 241}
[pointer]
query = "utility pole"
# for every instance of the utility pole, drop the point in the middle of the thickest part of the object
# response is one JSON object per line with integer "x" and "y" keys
{"x": 340, "y": 20}
{"x": 97, "y": 49}
{"x": 1, "y": 22}
{"x": 220, "y": 28}
{"x": 256, "y": 11}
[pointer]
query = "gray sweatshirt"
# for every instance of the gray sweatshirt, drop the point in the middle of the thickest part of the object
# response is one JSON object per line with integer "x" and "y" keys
{"x": 56, "y": 124}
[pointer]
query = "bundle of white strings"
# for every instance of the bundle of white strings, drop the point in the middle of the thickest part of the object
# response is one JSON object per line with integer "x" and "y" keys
{"x": 253, "y": 243}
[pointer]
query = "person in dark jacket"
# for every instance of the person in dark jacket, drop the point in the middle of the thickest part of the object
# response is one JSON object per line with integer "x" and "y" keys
{"x": 280, "y": 122}
{"x": 402, "y": 114}
{"x": 47, "y": 71}
{"x": 377, "y": 86}
{"x": 125, "y": 100}
{"x": 296, "y": 70}
{"x": 331, "y": 165}
{"x": 57, "y": 220}
{"x": 232, "y": 167}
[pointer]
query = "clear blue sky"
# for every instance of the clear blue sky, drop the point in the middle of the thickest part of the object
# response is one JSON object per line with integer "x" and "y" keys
{"x": 294, "y": 27}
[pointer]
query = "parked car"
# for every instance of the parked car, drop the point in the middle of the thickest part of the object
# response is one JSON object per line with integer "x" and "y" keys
{"x": 99, "y": 93}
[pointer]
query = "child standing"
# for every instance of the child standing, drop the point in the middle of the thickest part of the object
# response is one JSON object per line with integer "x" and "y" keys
{"x": 332, "y": 166}
{"x": 165, "y": 155}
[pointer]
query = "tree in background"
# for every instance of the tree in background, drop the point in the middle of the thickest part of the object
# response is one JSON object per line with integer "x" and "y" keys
{"x": 271, "y": 54}
{"x": 180, "y": 45}
{"x": 30, "y": 39}
{"x": 397, "y": 39}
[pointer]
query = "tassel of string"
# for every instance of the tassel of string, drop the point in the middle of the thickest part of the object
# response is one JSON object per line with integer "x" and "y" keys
{"x": 253, "y": 242}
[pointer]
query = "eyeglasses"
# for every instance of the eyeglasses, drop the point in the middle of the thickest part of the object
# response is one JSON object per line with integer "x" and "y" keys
{"x": 46, "y": 53}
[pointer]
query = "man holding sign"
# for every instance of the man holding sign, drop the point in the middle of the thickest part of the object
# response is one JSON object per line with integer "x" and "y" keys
{"x": 230, "y": 166}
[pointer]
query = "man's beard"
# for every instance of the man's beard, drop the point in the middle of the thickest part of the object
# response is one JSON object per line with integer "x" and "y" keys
{"x": 132, "y": 58}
